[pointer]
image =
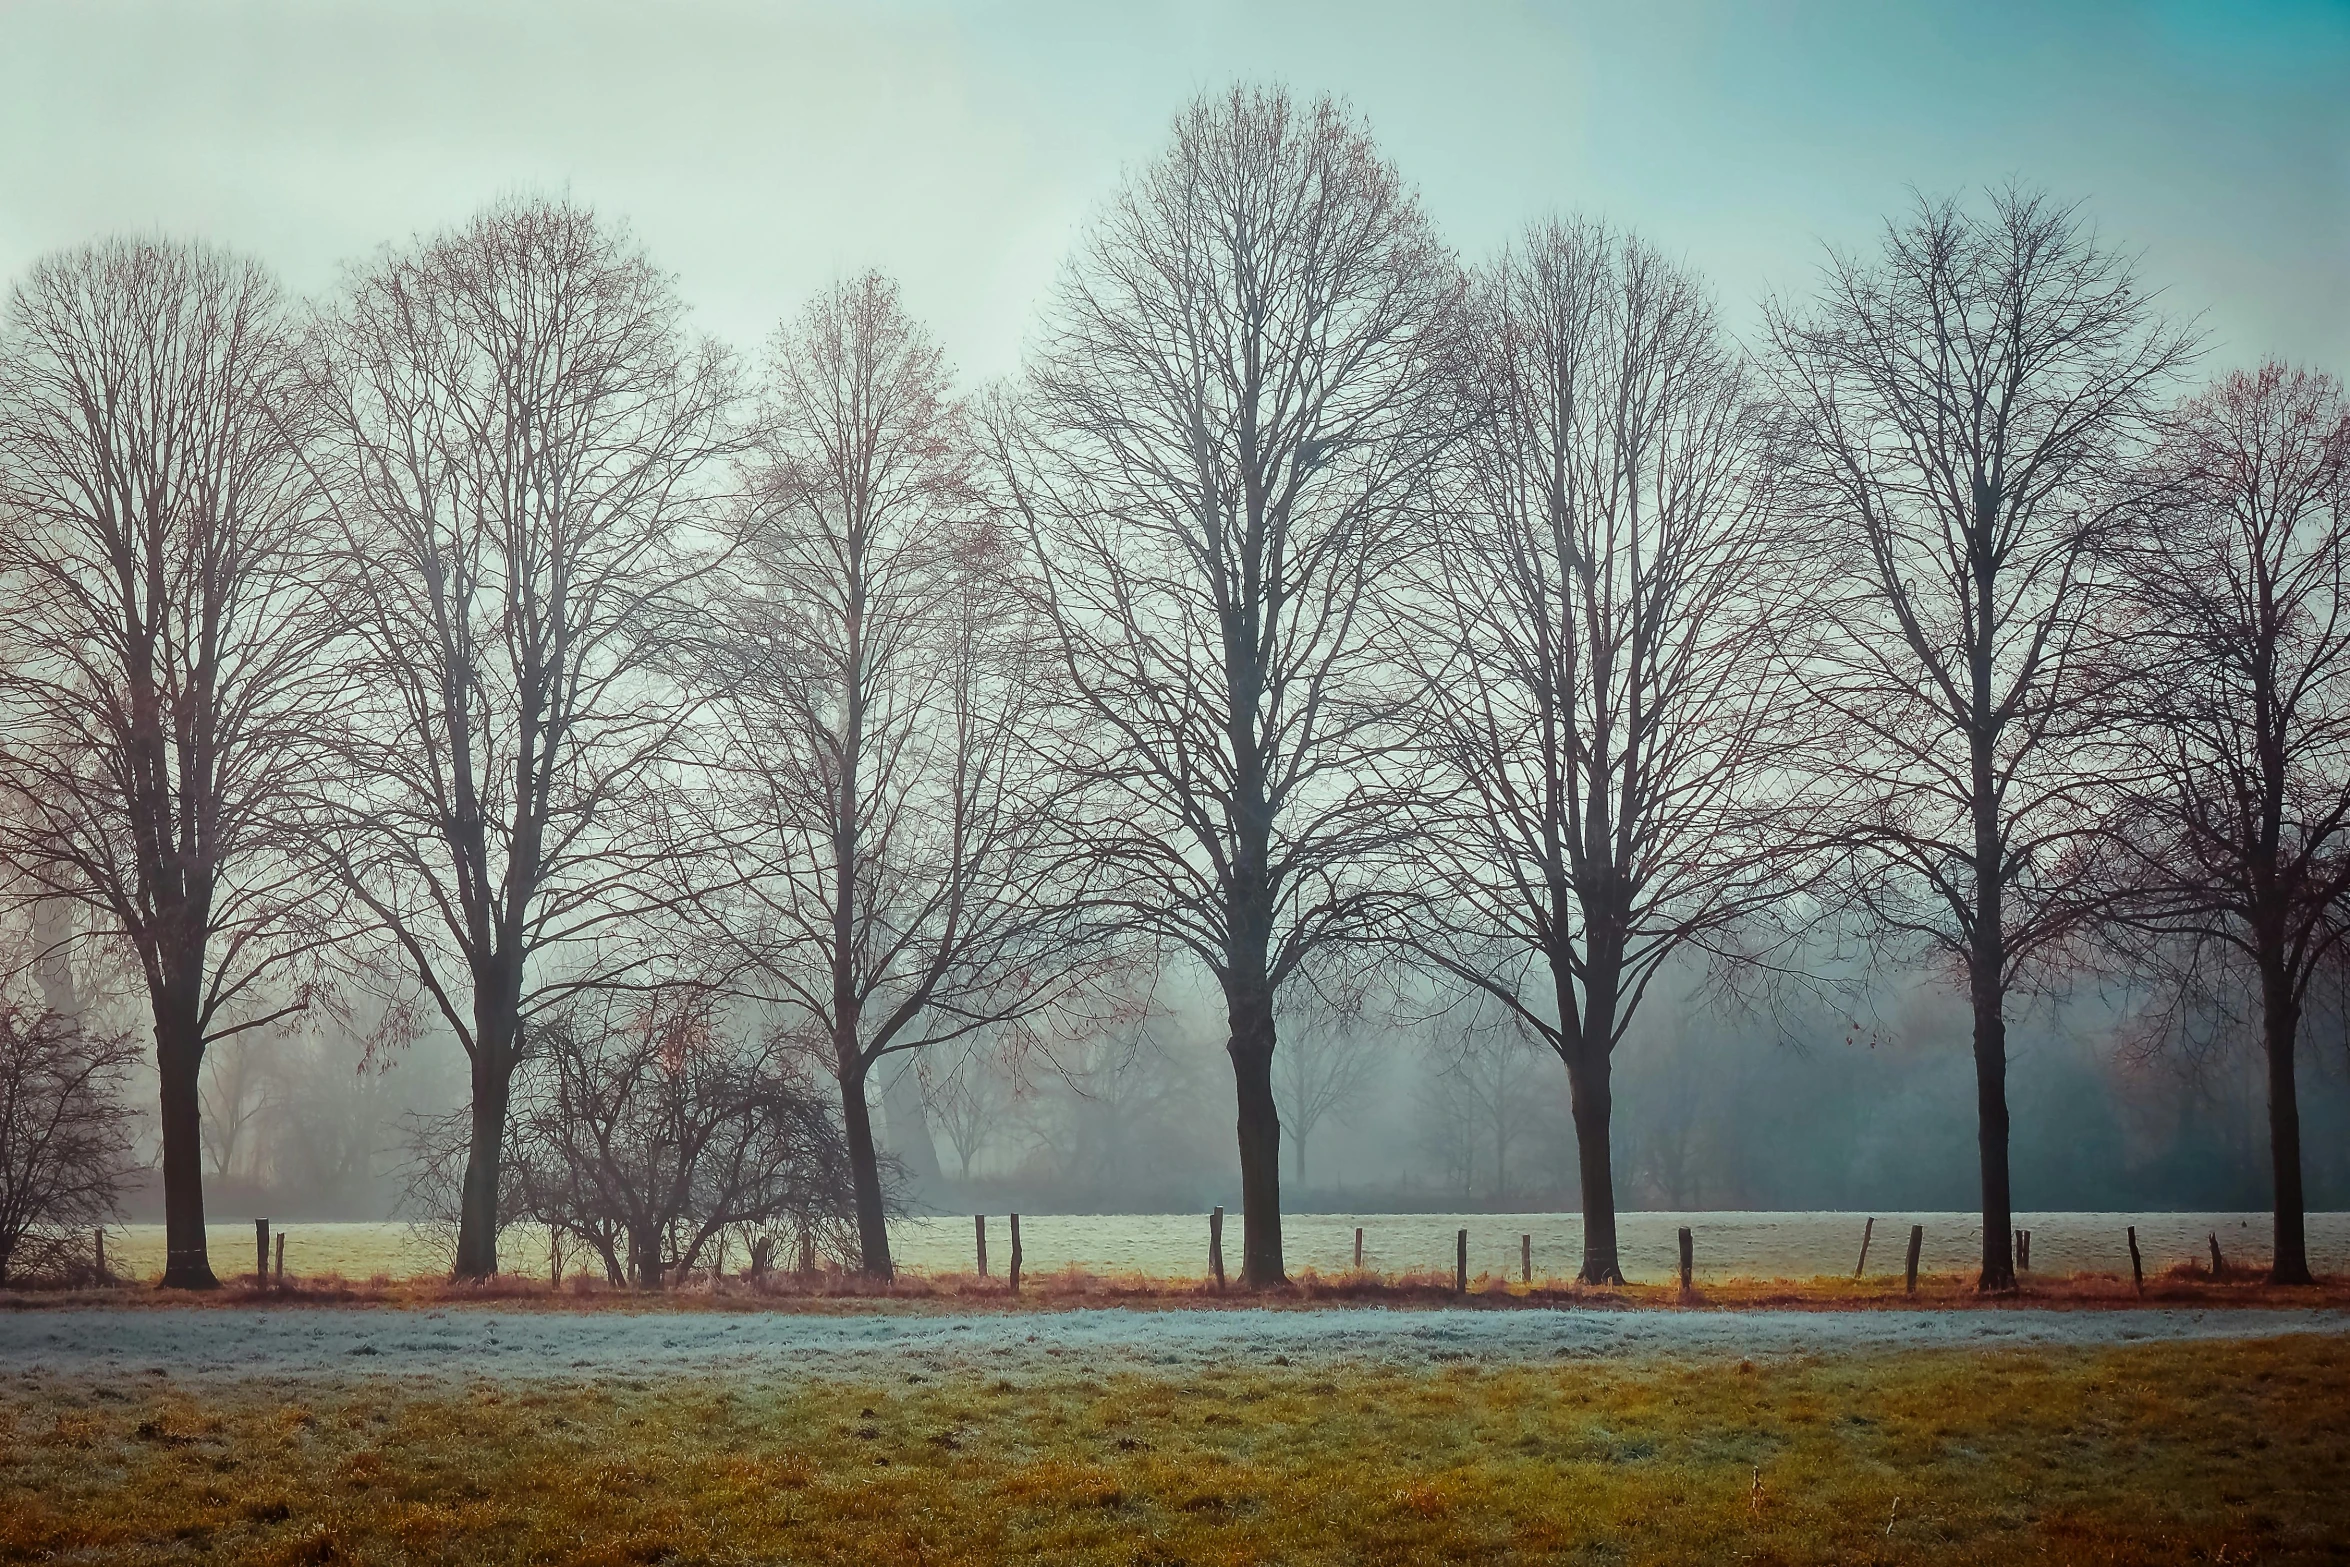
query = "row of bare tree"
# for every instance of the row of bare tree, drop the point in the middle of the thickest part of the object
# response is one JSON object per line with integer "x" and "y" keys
{"x": 1310, "y": 609}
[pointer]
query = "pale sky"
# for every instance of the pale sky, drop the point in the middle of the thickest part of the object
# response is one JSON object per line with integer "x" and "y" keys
{"x": 761, "y": 150}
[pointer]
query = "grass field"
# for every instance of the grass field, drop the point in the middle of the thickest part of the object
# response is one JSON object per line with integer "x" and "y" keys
{"x": 2183, "y": 1284}
{"x": 2212, "y": 1452}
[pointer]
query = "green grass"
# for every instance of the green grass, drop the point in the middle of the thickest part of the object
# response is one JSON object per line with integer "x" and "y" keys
{"x": 2206, "y": 1452}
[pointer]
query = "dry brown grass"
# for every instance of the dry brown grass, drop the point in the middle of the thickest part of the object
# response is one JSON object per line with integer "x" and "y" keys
{"x": 2155, "y": 1453}
{"x": 2185, "y": 1285}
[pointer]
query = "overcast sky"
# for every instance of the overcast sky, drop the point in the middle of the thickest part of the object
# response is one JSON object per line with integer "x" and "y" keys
{"x": 761, "y": 150}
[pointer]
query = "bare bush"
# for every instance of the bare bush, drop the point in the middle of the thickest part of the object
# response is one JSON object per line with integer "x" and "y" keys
{"x": 646, "y": 1130}
{"x": 65, "y": 1140}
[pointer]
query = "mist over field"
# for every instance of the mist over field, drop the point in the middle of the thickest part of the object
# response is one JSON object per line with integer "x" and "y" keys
{"x": 1720, "y": 1108}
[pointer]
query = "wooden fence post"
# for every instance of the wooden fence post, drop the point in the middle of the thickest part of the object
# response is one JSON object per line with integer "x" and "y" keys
{"x": 1015, "y": 1254}
{"x": 1867, "y": 1231}
{"x": 261, "y": 1251}
{"x": 281, "y": 1259}
{"x": 1688, "y": 1257}
{"x": 1460, "y": 1263}
{"x": 2137, "y": 1265}
{"x": 2027, "y": 1261}
{"x": 1526, "y": 1259}
{"x": 1358, "y": 1248}
{"x": 979, "y": 1228}
{"x": 1216, "y": 1246}
{"x": 98, "y": 1248}
{"x": 2217, "y": 1266}
{"x": 1917, "y": 1242}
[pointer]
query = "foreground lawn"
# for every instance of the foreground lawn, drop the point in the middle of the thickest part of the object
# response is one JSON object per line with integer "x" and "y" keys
{"x": 2203, "y": 1452}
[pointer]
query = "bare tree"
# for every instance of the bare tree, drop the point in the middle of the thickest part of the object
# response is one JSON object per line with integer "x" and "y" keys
{"x": 971, "y": 1103}
{"x": 1232, "y": 410}
{"x": 64, "y": 1128}
{"x": 1598, "y": 630}
{"x": 2234, "y": 832}
{"x": 1478, "y": 1103}
{"x": 160, "y": 668}
{"x": 1327, "y": 1066}
{"x": 1963, "y": 409}
{"x": 522, "y": 441}
{"x": 238, "y": 1094}
{"x": 647, "y": 1129}
{"x": 897, "y": 882}
{"x": 905, "y": 1112}
{"x": 1119, "y": 1117}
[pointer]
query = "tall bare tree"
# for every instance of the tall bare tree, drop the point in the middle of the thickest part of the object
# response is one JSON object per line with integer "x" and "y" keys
{"x": 160, "y": 669}
{"x": 1220, "y": 438}
{"x": 897, "y": 881}
{"x": 521, "y": 463}
{"x": 1597, "y": 630}
{"x": 1964, "y": 408}
{"x": 2234, "y": 835}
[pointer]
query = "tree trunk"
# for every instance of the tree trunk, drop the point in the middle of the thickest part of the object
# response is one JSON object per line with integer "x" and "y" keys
{"x": 1991, "y": 1132}
{"x": 1592, "y": 1095}
{"x": 2280, "y": 1024}
{"x": 477, "y": 1211}
{"x": 1250, "y": 1013}
{"x": 179, "y": 1059}
{"x": 865, "y": 1171}
{"x": 1987, "y": 951}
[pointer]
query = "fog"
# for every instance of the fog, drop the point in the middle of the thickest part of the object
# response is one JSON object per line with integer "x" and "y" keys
{"x": 1719, "y": 1105}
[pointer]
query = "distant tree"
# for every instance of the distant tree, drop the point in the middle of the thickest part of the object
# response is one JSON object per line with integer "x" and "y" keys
{"x": 1125, "y": 1119}
{"x": 646, "y": 1129}
{"x": 972, "y": 1104}
{"x": 1598, "y": 633}
{"x": 1479, "y": 1104}
{"x": 240, "y": 1081}
{"x": 522, "y": 457}
{"x": 65, "y": 1138}
{"x": 162, "y": 667}
{"x": 2233, "y": 839}
{"x": 1215, "y": 453}
{"x": 1963, "y": 412}
{"x": 1328, "y": 1068}
{"x": 897, "y": 878}
{"x": 336, "y": 1111}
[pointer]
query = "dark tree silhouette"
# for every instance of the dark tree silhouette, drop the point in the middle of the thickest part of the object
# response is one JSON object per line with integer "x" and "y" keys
{"x": 1609, "y": 708}
{"x": 1964, "y": 408}
{"x": 521, "y": 441}
{"x": 1217, "y": 446}
{"x": 898, "y": 875}
{"x": 2233, "y": 842}
{"x": 161, "y": 646}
